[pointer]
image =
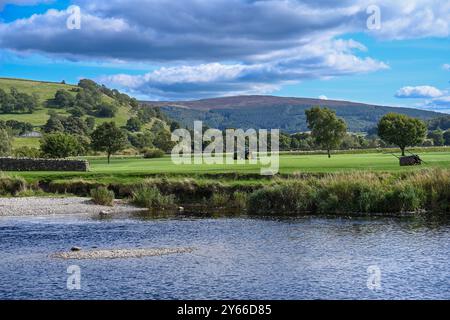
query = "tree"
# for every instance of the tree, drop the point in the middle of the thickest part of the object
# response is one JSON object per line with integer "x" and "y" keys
{"x": 326, "y": 129}
{"x": 90, "y": 123}
{"x": 163, "y": 141}
{"x": 5, "y": 143}
{"x": 109, "y": 138}
{"x": 134, "y": 124}
{"x": 401, "y": 130}
{"x": 75, "y": 125}
{"x": 437, "y": 136}
{"x": 106, "y": 110}
{"x": 53, "y": 124}
{"x": 60, "y": 145}
{"x": 447, "y": 137}
{"x": 63, "y": 99}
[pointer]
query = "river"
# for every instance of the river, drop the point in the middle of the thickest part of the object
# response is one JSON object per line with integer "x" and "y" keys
{"x": 234, "y": 258}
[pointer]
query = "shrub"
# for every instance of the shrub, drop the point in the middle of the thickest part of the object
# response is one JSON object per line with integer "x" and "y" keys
{"x": 60, "y": 145}
{"x": 151, "y": 198}
{"x": 219, "y": 200}
{"x": 27, "y": 152}
{"x": 11, "y": 185}
{"x": 103, "y": 196}
{"x": 153, "y": 153}
{"x": 240, "y": 200}
{"x": 285, "y": 198}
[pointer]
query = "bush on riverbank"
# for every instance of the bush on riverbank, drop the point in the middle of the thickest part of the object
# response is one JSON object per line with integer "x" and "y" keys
{"x": 151, "y": 198}
{"x": 11, "y": 185}
{"x": 102, "y": 196}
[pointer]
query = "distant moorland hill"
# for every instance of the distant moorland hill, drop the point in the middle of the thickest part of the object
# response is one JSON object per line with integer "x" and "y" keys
{"x": 287, "y": 114}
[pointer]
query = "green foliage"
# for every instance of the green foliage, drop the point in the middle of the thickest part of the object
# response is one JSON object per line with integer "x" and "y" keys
{"x": 442, "y": 123}
{"x": 150, "y": 197}
{"x": 141, "y": 140}
{"x": 11, "y": 185}
{"x": 134, "y": 124}
{"x": 239, "y": 200}
{"x": 356, "y": 193}
{"x": 446, "y": 136}
{"x": 150, "y": 153}
{"x": 17, "y": 102}
{"x": 5, "y": 143}
{"x": 27, "y": 152}
{"x": 327, "y": 130}
{"x": 103, "y": 196}
{"x": 105, "y": 110}
{"x": 63, "y": 99}
{"x": 61, "y": 145}
{"x": 219, "y": 200}
{"x": 401, "y": 130}
{"x": 109, "y": 138}
{"x": 163, "y": 141}
{"x": 16, "y": 127}
{"x": 438, "y": 137}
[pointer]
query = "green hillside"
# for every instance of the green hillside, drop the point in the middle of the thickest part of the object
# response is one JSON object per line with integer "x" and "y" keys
{"x": 45, "y": 92}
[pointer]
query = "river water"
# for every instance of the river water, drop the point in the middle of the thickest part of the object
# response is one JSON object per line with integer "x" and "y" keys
{"x": 234, "y": 258}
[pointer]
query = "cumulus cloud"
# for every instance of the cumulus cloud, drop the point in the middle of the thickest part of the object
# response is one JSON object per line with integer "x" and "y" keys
{"x": 419, "y": 92}
{"x": 208, "y": 31}
{"x": 323, "y": 97}
{"x": 239, "y": 46}
{"x": 212, "y": 79}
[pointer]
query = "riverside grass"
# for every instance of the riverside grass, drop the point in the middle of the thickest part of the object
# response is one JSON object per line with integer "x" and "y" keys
{"x": 103, "y": 196}
{"x": 358, "y": 192}
{"x": 346, "y": 183}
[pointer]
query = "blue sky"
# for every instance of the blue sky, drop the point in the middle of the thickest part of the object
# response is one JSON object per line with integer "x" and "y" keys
{"x": 190, "y": 49}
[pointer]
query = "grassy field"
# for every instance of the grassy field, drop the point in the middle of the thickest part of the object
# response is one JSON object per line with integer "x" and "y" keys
{"x": 46, "y": 91}
{"x": 26, "y": 142}
{"x": 132, "y": 167}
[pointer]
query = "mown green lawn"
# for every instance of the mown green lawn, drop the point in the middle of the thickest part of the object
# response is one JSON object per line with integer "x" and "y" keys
{"x": 129, "y": 169}
{"x": 288, "y": 164}
{"x": 26, "y": 142}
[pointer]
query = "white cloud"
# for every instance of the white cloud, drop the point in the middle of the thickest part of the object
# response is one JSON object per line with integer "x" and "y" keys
{"x": 270, "y": 42}
{"x": 446, "y": 66}
{"x": 419, "y": 92}
{"x": 204, "y": 80}
{"x": 323, "y": 97}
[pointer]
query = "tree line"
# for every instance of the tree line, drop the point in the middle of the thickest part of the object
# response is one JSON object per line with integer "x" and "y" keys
{"x": 17, "y": 102}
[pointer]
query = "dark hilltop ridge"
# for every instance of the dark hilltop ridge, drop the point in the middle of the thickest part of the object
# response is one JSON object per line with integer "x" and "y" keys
{"x": 287, "y": 114}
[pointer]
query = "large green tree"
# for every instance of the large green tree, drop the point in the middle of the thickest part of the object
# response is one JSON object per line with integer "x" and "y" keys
{"x": 326, "y": 128}
{"x": 401, "y": 130}
{"x": 63, "y": 99}
{"x": 60, "y": 145}
{"x": 109, "y": 138}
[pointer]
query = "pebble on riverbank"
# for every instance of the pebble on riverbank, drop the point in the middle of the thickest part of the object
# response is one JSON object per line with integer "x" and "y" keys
{"x": 119, "y": 253}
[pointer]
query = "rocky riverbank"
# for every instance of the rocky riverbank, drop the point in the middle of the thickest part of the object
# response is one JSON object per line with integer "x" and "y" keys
{"x": 35, "y": 206}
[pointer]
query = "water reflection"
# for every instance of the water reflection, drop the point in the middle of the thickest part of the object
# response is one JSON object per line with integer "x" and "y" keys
{"x": 235, "y": 258}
